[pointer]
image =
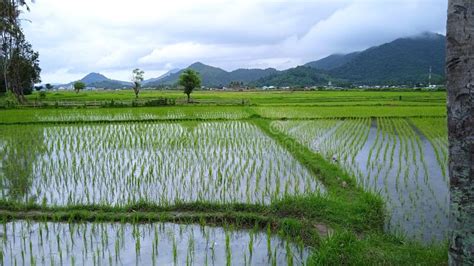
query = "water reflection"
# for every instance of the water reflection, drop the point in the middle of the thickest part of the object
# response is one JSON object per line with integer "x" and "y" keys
{"x": 19, "y": 148}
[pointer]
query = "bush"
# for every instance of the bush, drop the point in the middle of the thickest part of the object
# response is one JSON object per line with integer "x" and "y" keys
{"x": 160, "y": 102}
{"x": 42, "y": 95}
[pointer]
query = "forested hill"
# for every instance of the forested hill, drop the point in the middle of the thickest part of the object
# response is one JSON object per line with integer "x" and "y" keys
{"x": 213, "y": 76}
{"x": 403, "y": 61}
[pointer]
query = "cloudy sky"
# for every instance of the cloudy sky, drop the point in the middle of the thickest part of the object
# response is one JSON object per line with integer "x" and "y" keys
{"x": 114, "y": 36}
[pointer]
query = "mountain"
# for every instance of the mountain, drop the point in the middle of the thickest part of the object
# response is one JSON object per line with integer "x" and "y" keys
{"x": 300, "y": 76}
{"x": 93, "y": 77}
{"x": 332, "y": 61}
{"x": 248, "y": 75}
{"x": 402, "y": 61}
{"x": 172, "y": 71}
{"x": 97, "y": 80}
{"x": 214, "y": 76}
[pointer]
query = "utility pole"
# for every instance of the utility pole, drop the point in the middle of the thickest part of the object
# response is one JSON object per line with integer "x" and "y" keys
{"x": 429, "y": 79}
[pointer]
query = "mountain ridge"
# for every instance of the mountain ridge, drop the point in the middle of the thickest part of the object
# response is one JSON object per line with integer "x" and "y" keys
{"x": 402, "y": 61}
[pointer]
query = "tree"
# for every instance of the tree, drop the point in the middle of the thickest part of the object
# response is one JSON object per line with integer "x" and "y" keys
{"x": 48, "y": 86}
{"x": 20, "y": 64}
{"x": 189, "y": 79}
{"x": 460, "y": 87}
{"x": 137, "y": 79}
{"x": 23, "y": 70}
{"x": 79, "y": 85}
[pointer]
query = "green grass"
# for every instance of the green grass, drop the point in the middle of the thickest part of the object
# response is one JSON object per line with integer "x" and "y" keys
{"x": 172, "y": 113}
{"x": 306, "y": 112}
{"x": 169, "y": 113}
{"x": 258, "y": 97}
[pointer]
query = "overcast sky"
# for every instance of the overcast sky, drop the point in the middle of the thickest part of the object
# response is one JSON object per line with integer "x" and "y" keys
{"x": 114, "y": 36}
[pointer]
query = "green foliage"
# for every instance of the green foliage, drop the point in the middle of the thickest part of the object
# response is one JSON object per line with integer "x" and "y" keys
{"x": 403, "y": 61}
{"x": 79, "y": 85}
{"x": 22, "y": 69}
{"x": 137, "y": 79}
{"x": 189, "y": 79}
{"x": 346, "y": 248}
{"x": 300, "y": 76}
{"x": 216, "y": 77}
{"x": 160, "y": 102}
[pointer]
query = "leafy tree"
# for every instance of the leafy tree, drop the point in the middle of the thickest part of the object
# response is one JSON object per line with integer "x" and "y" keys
{"x": 459, "y": 66}
{"x": 189, "y": 79}
{"x": 137, "y": 79}
{"x": 20, "y": 64}
{"x": 48, "y": 86}
{"x": 79, "y": 85}
{"x": 23, "y": 70}
{"x": 38, "y": 88}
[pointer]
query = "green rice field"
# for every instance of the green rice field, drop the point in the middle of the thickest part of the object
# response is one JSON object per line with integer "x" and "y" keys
{"x": 287, "y": 178}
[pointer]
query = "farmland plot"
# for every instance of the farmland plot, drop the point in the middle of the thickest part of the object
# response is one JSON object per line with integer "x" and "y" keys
{"x": 390, "y": 156}
{"x": 311, "y": 112}
{"x": 147, "y": 114}
{"x": 31, "y": 243}
{"x": 163, "y": 163}
{"x": 124, "y": 114}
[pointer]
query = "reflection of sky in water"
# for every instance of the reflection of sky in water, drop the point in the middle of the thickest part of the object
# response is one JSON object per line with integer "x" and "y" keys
{"x": 164, "y": 163}
{"x": 142, "y": 244}
{"x": 403, "y": 169}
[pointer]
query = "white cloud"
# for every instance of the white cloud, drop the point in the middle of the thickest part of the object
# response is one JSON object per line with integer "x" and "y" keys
{"x": 115, "y": 36}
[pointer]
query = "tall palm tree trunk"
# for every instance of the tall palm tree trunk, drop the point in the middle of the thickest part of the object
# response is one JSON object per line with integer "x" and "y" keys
{"x": 460, "y": 85}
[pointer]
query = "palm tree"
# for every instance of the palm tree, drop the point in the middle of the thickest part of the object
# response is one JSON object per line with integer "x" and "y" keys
{"x": 460, "y": 85}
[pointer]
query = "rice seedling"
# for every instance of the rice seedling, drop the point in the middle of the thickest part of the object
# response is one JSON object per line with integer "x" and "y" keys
{"x": 390, "y": 157}
{"x": 312, "y": 112}
{"x": 164, "y": 163}
{"x": 179, "y": 244}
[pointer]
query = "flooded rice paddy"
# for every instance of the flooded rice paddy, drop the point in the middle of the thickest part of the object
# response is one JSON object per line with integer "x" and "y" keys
{"x": 405, "y": 160}
{"x": 48, "y": 243}
{"x": 163, "y": 163}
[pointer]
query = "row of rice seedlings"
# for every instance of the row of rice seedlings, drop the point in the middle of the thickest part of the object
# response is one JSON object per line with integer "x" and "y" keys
{"x": 311, "y": 112}
{"x": 398, "y": 169}
{"x": 164, "y": 163}
{"x": 94, "y": 115}
{"x": 390, "y": 159}
{"x": 435, "y": 130}
{"x": 47, "y": 243}
{"x": 337, "y": 140}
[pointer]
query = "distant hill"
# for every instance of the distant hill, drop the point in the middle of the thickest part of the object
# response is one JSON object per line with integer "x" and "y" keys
{"x": 93, "y": 77}
{"x": 301, "y": 76}
{"x": 97, "y": 80}
{"x": 172, "y": 71}
{"x": 214, "y": 76}
{"x": 248, "y": 75}
{"x": 332, "y": 61}
{"x": 402, "y": 61}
